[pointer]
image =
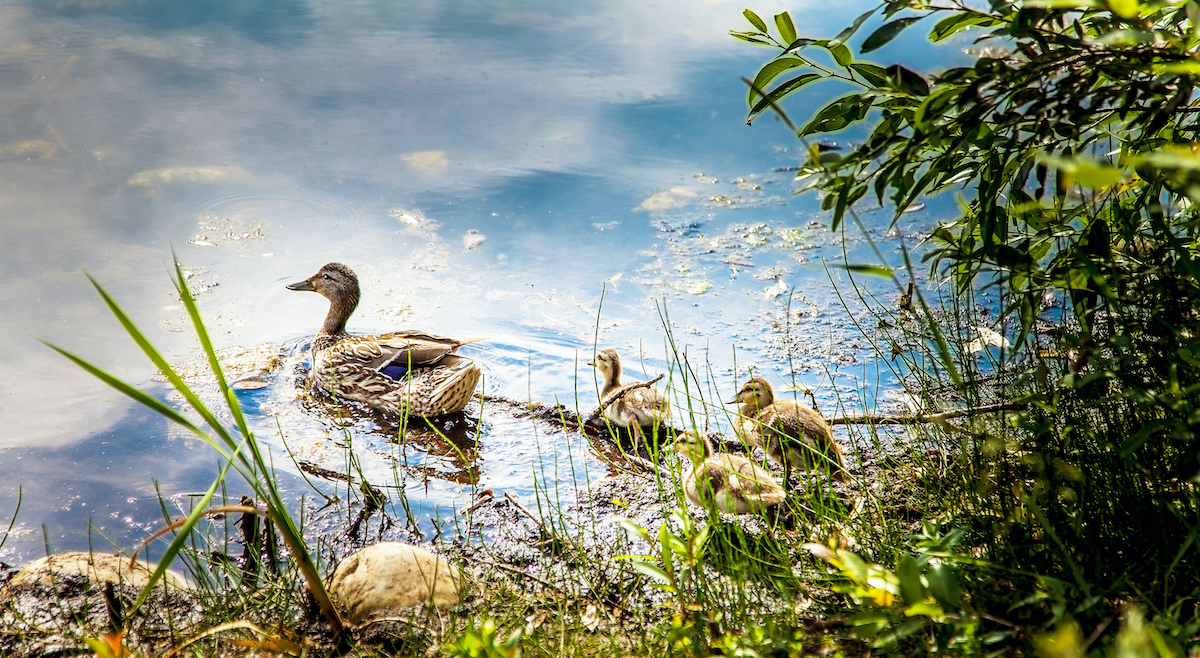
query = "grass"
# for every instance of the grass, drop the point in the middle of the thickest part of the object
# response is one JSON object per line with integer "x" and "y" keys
{"x": 948, "y": 541}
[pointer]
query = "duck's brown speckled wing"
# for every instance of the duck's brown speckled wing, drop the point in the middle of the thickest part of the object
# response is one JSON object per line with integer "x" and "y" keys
{"x": 405, "y": 349}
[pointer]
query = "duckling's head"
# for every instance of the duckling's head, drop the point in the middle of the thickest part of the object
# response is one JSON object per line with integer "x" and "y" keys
{"x": 608, "y": 363}
{"x": 756, "y": 394}
{"x": 693, "y": 445}
{"x": 339, "y": 285}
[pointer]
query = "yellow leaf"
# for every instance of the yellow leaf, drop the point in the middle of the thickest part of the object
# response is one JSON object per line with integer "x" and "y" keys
{"x": 1124, "y": 8}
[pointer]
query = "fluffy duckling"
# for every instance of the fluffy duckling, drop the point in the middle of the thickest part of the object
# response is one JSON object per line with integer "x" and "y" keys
{"x": 790, "y": 434}
{"x": 637, "y": 408}
{"x": 403, "y": 372}
{"x": 732, "y": 483}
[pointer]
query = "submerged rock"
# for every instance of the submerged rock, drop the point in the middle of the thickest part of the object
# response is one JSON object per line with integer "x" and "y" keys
{"x": 98, "y": 568}
{"x": 392, "y": 576}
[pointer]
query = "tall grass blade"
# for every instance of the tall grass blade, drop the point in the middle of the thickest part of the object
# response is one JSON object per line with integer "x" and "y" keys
{"x": 181, "y": 537}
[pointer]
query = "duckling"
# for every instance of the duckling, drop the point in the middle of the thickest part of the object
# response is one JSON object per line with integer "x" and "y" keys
{"x": 790, "y": 434}
{"x": 403, "y": 372}
{"x": 732, "y": 483}
{"x": 638, "y": 408}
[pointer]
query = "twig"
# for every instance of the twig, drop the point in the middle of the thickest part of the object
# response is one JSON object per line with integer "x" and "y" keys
{"x": 485, "y": 497}
{"x": 524, "y": 573}
{"x": 647, "y": 465}
{"x": 941, "y": 417}
{"x": 622, "y": 392}
{"x": 524, "y": 509}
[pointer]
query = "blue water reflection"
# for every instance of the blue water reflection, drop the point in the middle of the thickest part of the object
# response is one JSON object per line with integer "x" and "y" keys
{"x": 538, "y": 173}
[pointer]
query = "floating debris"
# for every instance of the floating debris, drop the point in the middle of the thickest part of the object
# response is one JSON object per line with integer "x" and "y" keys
{"x": 747, "y": 185}
{"x": 693, "y": 286}
{"x": 796, "y": 237}
{"x": 212, "y": 231}
{"x": 776, "y": 290}
{"x": 676, "y": 197}
{"x": 413, "y": 218}
{"x": 987, "y": 338}
{"x": 472, "y": 239}
{"x": 427, "y": 162}
{"x": 206, "y": 174}
{"x": 43, "y": 149}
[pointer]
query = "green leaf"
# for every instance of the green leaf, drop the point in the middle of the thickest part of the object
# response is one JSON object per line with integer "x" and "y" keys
{"x": 1088, "y": 172}
{"x": 875, "y": 75}
{"x": 1186, "y": 67}
{"x": 1125, "y": 8}
{"x": 755, "y": 20}
{"x": 886, "y": 33}
{"x": 652, "y": 570}
{"x": 633, "y": 529}
{"x": 837, "y": 114}
{"x": 908, "y": 81}
{"x": 872, "y": 270}
{"x": 778, "y": 93}
{"x": 944, "y": 586}
{"x": 1062, "y": 4}
{"x": 853, "y": 566}
{"x": 841, "y": 54}
{"x": 787, "y": 30}
{"x": 853, "y": 27}
{"x": 957, "y": 22}
{"x": 1096, "y": 175}
{"x": 752, "y": 37}
{"x": 912, "y": 590}
{"x": 925, "y": 609}
{"x": 769, "y": 72}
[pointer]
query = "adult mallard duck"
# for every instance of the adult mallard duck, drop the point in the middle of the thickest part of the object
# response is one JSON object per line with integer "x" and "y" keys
{"x": 403, "y": 372}
{"x": 731, "y": 483}
{"x": 791, "y": 434}
{"x": 637, "y": 408}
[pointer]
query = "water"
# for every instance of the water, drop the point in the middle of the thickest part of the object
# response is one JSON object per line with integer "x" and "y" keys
{"x": 599, "y": 149}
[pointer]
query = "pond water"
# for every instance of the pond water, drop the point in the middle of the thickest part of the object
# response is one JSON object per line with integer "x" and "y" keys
{"x": 536, "y": 172}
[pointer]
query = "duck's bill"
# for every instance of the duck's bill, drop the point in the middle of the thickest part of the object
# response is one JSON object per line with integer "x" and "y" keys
{"x": 301, "y": 285}
{"x": 592, "y": 364}
{"x": 733, "y": 401}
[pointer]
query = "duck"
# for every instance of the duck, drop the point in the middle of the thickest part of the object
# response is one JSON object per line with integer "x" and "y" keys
{"x": 789, "y": 433}
{"x": 638, "y": 408}
{"x": 731, "y": 483}
{"x": 405, "y": 373}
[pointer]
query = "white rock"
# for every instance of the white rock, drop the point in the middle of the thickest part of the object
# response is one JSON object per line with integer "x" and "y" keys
{"x": 392, "y": 576}
{"x": 96, "y": 567}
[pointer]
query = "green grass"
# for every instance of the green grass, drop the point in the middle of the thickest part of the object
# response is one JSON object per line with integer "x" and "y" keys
{"x": 963, "y": 538}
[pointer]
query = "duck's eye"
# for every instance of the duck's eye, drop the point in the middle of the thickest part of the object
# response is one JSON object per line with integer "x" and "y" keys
{"x": 326, "y": 276}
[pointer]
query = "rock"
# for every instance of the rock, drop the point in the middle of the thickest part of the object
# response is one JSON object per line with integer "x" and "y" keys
{"x": 392, "y": 576}
{"x": 96, "y": 567}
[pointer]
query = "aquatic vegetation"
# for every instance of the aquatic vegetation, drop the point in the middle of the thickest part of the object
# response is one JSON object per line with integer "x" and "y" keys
{"x": 239, "y": 449}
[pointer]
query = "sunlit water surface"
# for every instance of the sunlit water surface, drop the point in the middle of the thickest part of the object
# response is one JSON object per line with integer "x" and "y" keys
{"x": 536, "y": 172}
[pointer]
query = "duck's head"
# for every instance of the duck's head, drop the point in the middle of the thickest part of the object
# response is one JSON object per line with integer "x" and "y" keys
{"x": 339, "y": 285}
{"x": 693, "y": 445}
{"x": 608, "y": 363}
{"x": 756, "y": 393}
